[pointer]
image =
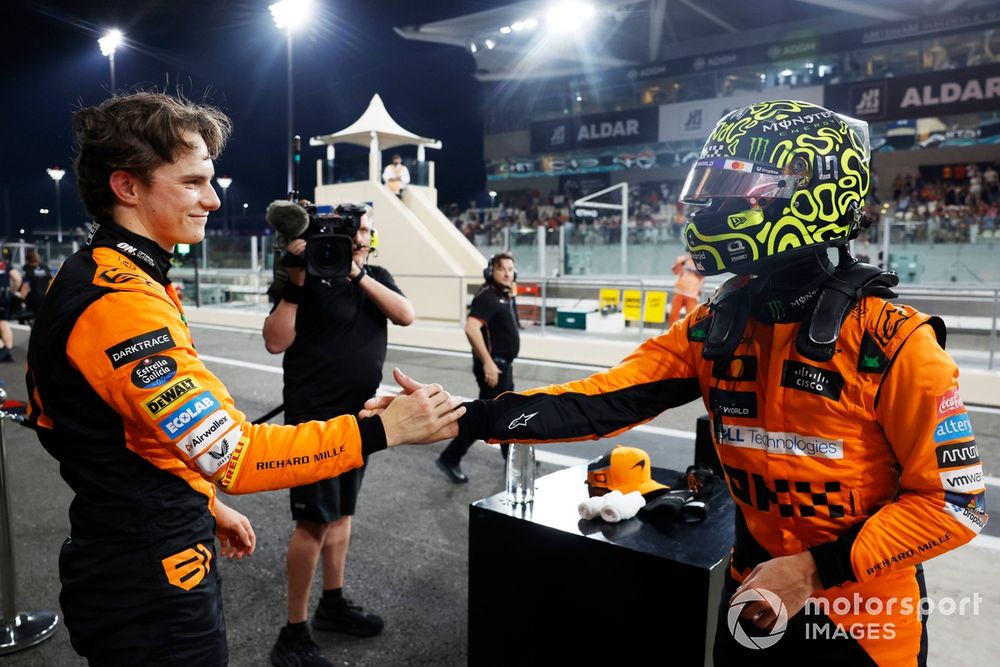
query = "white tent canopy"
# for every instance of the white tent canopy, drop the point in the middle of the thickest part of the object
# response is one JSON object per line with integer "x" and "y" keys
{"x": 376, "y": 129}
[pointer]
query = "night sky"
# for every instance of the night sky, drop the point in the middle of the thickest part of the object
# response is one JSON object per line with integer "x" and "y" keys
{"x": 231, "y": 55}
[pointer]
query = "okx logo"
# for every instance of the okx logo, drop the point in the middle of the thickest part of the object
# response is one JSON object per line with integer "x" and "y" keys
{"x": 757, "y": 596}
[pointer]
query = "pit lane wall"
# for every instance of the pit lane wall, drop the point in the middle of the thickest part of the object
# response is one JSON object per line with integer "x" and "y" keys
{"x": 417, "y": 239}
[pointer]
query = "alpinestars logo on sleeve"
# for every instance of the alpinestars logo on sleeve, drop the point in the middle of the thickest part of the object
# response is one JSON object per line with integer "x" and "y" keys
{"x": 521, "y": 421}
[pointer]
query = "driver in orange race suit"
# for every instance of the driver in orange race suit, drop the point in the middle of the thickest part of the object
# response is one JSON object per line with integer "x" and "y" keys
{"x": 143, "y": 431}
{"x": 835, "y": 413}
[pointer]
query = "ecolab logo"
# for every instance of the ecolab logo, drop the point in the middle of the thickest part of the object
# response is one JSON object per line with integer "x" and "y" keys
{"x": 949, "y": 404}
{"x": 189, "y": 414}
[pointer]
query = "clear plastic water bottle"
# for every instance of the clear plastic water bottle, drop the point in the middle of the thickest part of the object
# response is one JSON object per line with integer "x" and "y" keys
{"x": 520, "y": 474}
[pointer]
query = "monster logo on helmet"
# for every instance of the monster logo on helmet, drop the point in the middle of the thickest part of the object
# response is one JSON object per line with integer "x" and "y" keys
{"x": 774, "y": 180}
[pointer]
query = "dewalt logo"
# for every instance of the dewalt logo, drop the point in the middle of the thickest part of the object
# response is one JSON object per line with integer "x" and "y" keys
{"x": 187, "y": 568}
{"x": 156, "y": 405}
{"x": 758, "y": 148}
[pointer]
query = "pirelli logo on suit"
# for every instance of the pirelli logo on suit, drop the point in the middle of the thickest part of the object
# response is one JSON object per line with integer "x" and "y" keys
{"x": 155, "y": 406}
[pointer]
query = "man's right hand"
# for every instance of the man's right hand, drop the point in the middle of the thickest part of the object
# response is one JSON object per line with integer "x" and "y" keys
{"x": 425, "y": 413}
{"x": 492, "y": 373}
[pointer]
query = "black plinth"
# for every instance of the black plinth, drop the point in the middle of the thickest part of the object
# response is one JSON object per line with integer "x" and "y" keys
{"x": 546, "y": 585}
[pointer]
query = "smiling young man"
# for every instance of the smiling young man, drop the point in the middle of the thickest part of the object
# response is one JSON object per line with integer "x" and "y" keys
{"x": 143, "y": 431}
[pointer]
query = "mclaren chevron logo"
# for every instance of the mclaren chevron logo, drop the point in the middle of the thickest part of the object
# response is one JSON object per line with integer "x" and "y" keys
{"x": 521, "y": 421}
{"x": 641, "y": 464}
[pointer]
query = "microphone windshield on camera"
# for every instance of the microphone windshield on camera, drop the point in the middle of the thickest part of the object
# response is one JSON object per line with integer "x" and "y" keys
{"x": 287, "y": 218}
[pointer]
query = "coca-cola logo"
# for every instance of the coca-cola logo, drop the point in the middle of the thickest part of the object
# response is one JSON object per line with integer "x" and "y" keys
{"x": 950, "y": 403}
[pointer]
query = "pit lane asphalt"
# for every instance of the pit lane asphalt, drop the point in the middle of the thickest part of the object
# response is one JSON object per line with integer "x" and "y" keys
{"x": 409, "y": 548}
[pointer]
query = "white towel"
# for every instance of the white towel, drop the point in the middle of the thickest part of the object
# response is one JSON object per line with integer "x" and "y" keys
{"x": 622, "y": 508}
{"x": 591, "y": 507}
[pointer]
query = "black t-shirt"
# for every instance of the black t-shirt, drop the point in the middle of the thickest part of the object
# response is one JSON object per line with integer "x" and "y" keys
{"x": 498, "y": 313}
{"x": 335, "y": 363}
{"x": 38, "y": 279}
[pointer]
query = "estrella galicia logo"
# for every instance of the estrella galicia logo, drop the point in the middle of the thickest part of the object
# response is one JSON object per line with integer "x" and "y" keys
{"x": 521, "y": 421}
{"x": 740, "y": 368}
{"x": 733, "y": 403}
{"x": 871, "y": 359}
{"x": 953, "y": 428}
{"x": 140, "y": 346}
{"x": 153, "y": 371}
{"x": 819, "y": 381}
{"x": 959, "y": 454}
{"x": 187, "y": 415}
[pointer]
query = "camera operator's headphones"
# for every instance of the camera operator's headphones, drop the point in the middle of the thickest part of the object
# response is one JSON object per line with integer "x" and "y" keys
{"x": 488, "y": 271}
{"x": 373, "y": 243}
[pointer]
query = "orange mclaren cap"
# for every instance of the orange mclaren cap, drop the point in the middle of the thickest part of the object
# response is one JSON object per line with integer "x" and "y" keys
{"x": 624, "y": 469}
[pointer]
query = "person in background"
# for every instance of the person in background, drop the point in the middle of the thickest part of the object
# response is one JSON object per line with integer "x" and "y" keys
{"x": 334, "y": 335}
{"x": 687, "y": 287}
{"x": 396, "y": 176}
{"x": 35, "y": 280}
{"x": 492, "y": 330}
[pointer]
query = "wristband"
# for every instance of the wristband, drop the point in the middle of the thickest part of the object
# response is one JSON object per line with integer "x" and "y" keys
{"x": 361, "y": 274}
{"x": 293, "y": 293}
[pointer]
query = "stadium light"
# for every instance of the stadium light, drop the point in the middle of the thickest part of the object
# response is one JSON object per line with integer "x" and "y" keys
{"x": 289, "y": 15}
{"x": 505, "y": 30}
{"x": 224, "y": 183}
{"x": 109, "y": 44}
{"x": 490, "y": 44}
{"x": 569, "y": 15}
{"x": 56, "y": 175}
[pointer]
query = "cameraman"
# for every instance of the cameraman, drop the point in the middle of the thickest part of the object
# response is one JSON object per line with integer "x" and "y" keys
{"x": 333, "y": 334}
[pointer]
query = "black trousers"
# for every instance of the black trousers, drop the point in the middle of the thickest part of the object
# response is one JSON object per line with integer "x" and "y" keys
{"x": 457, "y": 448}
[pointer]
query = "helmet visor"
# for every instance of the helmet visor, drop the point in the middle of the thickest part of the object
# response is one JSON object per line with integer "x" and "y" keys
{"x": 721, "y": 177}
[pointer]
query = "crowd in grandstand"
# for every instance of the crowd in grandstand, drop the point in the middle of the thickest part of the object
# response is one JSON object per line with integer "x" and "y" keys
{"x": 958, "y": 206}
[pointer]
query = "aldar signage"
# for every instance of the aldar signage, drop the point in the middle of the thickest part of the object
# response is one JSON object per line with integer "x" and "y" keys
{"x": 943, "y": 93}
{"x": 620, "y": 128}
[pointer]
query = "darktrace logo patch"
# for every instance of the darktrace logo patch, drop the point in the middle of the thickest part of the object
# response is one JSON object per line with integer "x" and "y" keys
{"x": 153, "y": 372}
{"x": 137, "y": 347}
{"x": 819, "y": 381}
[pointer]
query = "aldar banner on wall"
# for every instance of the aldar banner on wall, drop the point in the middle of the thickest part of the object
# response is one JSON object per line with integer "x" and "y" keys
{"x": 618, "y": 128}
{"x": 695, "y": 120}
{"x": 968, "y": 90}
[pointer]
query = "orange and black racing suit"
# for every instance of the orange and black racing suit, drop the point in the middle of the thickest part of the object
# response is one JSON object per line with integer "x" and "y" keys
{"x": 868, "y": 460}
{"x": 144, "y": 433}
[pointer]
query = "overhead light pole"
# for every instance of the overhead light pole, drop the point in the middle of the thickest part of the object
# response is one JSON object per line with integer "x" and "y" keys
{"x": 56, "y": 174}
{"x": 224, "y": 183}
{"x": 289, "y": 15}
{"x": 111, "y": 41}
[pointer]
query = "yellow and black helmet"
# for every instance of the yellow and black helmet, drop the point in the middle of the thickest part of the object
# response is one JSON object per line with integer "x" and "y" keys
{"x": 775, "y": 179}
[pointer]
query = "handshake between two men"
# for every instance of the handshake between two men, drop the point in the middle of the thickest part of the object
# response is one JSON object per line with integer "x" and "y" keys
{"x": 421, "y": 414}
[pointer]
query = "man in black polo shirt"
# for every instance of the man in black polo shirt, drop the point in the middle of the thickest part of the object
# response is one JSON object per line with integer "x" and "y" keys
{"x": 333, "y": 333}
{"x": 492, "y": 330}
